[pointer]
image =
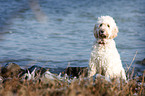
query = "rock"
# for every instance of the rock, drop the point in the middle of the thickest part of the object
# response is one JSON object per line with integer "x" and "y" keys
{"x": 1, "y": 79}
{"x": 10, "y": 70}
{"x": 33, "y": 72}
{"x": 57, "y": 70}
{"x": 37, "y": 69}
{"x": 48, "y": 77}
{"x": 76, "y": 71}
{"x": 143, "y": 61}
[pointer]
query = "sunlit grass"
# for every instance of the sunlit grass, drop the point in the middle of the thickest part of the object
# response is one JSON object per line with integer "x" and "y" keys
{"x": 80, "y": 86}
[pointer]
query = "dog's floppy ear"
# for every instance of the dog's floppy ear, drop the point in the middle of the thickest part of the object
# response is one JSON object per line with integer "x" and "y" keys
{"x": 114, "y": 32}
{"x": 95, "y": 31}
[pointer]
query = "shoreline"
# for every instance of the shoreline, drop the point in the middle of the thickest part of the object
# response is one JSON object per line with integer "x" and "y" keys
{"x": 38, "y": 81}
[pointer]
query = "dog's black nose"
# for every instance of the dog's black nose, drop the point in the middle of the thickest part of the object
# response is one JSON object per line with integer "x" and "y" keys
{"x": 102, "y": 31}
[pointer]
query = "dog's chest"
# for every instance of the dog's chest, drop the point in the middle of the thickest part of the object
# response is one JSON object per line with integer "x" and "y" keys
{"x": 103, "y": 50}
{"x": 104, "y": 54}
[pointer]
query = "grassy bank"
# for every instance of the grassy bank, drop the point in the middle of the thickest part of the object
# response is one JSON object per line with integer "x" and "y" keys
{"x": 79, "y": 87}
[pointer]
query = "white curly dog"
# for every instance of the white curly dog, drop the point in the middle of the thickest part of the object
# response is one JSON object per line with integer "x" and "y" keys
{"x": 105, "y": 58}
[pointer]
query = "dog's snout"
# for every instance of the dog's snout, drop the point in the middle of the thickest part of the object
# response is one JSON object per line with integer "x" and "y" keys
{"x": 102, "y": 34}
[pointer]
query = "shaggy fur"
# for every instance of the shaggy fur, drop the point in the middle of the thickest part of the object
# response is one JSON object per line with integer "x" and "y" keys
{"x": 105, "y": 58}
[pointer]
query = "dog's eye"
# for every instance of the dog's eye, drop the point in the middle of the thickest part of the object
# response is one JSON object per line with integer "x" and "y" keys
{"x": 100, "y": 25}
{"x": 108, "y": 25}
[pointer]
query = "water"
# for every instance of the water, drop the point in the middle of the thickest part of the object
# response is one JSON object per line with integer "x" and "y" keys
{"x": 65, "y": 36}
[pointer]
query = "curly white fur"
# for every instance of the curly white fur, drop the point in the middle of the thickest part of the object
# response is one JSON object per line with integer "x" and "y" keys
{"x": 105, "y": 58}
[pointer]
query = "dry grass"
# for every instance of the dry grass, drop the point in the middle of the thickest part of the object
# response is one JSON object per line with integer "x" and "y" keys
{"x": 79, "y": 87}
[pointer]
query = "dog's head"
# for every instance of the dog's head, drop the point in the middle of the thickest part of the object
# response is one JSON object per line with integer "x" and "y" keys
{"x": 105, "y": 28}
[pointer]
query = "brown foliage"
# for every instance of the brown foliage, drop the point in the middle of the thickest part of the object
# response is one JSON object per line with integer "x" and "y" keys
{"x": 79, "y": 87}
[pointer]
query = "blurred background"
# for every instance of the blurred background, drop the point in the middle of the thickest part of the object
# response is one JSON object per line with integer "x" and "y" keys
{"x": 59, "y": 33}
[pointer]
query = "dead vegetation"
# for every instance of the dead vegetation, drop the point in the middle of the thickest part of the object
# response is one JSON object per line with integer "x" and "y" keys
{"x": 79, "y": 87}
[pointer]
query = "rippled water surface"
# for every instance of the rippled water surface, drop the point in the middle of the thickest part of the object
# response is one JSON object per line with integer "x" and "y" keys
{"x": 59, "y": 33}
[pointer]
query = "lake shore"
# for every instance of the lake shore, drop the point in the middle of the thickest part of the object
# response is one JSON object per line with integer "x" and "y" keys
{"x": 31, "y": 82}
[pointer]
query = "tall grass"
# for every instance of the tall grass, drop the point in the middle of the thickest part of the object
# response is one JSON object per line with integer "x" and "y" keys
{"x": 78, "y": 87}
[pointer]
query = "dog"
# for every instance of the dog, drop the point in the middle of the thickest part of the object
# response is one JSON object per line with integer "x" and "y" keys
{"x": 105, "y": 58}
